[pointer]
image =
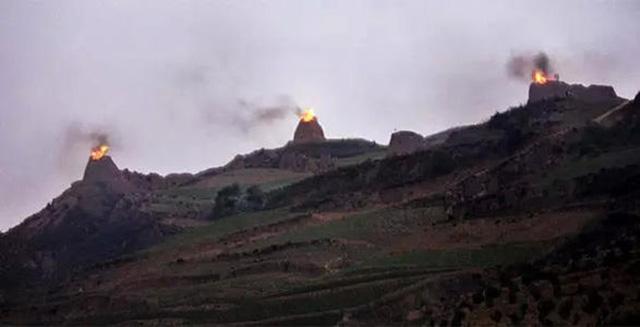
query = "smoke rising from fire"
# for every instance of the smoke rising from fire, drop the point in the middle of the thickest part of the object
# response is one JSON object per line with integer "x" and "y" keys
{"x": 79, "y": 141}
{"x": 521, "y": 66}
{"x": 77, "y": 134}
{"x": 247, "y": 115}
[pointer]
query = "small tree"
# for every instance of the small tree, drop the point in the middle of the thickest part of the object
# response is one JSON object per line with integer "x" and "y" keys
{"x": 255, "y": 198}
{"x": 232, "y": 199}
{"x": 227, "y": 201}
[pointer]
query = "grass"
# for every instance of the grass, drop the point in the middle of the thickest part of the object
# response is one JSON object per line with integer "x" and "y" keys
{"x": 249, "y": 308}
{"x": 349, "y": 161}
{"x": 357, "y": 276}
{"x": 372, "y": 226}
{"x": 278, "y": 184}
{"x": 344, "y": 297}
{"x": 320, "y": 295}
{"x": 218, "y": 228}
{"x": 250, "y": 176}
{"x": 199, "y": 199}
{"x": 584, "y": 165}
{"x": 487, "y": 256}
{"x": 189, "y": 192}
{"x": 207, "y": 189}
{"x": 282, "y": 295}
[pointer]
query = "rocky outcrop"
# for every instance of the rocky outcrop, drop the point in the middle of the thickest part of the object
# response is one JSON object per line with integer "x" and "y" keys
{"x": 405, "y": 142}
{"x": 154, "y": 181}
{"x": 310, "y": 131}
{"x": 301, "y": 157}
{"x": 300, "y": 162}
{"x": 283, "y": 158}
{"x": 558, "y": 89}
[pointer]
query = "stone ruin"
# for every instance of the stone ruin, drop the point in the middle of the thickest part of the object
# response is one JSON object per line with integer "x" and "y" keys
{"x": 559, "y": 89}
{"x": 104, "y": 171}
{"x": 310, "y": 131}
{"x": 405, "y": 142}
{"x": 101, "y": 170}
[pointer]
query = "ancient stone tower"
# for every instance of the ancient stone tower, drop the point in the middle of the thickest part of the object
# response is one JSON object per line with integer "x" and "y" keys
{"x": 308, "y": 131}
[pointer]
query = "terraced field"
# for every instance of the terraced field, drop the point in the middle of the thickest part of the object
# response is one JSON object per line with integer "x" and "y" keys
{"x": 283, "y": 267}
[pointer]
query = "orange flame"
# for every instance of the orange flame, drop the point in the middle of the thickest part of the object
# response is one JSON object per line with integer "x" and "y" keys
{"x": 99, "y": 151}
{"x": 307, "y": 115}
{"x": 539, "y": 77}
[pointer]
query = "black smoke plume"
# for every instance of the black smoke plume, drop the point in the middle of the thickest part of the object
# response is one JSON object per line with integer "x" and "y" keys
{"x": 76, "y": 143}
{"x": 94, "y": 136}
{"x": 522, "y": 66}
{"x": 250, "y": 115}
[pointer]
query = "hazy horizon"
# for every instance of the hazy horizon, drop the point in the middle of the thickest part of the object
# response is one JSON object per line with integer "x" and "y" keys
{"x": 181, "y": 86}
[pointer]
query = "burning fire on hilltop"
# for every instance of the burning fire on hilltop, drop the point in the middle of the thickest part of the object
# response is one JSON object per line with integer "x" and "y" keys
{"x": 98, "y": 152}
{"x": 535, "y": 68}
{"x": 307, "y": 115}
{"x": 540, "y": 77}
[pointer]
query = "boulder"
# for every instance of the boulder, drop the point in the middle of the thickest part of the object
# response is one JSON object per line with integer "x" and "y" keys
{"x": 291, "y": 160}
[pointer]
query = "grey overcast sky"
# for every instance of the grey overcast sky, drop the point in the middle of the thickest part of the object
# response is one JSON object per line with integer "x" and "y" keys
{"x": 175, "y": 84}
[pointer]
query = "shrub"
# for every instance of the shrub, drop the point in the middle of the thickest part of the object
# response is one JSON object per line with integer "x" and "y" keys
{"x": 227, "y": 201}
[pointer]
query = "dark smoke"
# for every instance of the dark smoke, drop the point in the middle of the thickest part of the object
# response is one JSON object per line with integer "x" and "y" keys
{"x": 79, "y": 139}
{"x": 76, "y": 144}
{"x": 299, "y": 111}
{"x": 268, "y": 114}
{"x": 79, "y": 135}
{"x": 541, "y": 61}
{"x": 99, "y": 138}
{"x": 521, "y": 66}
{"x": 250, "y": 115}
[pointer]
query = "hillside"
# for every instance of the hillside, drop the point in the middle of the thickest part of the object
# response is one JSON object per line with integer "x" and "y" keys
{"x": 531, "y": 217}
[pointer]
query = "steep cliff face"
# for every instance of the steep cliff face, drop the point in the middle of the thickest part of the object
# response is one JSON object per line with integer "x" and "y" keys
{"x": 308, "y": 131}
